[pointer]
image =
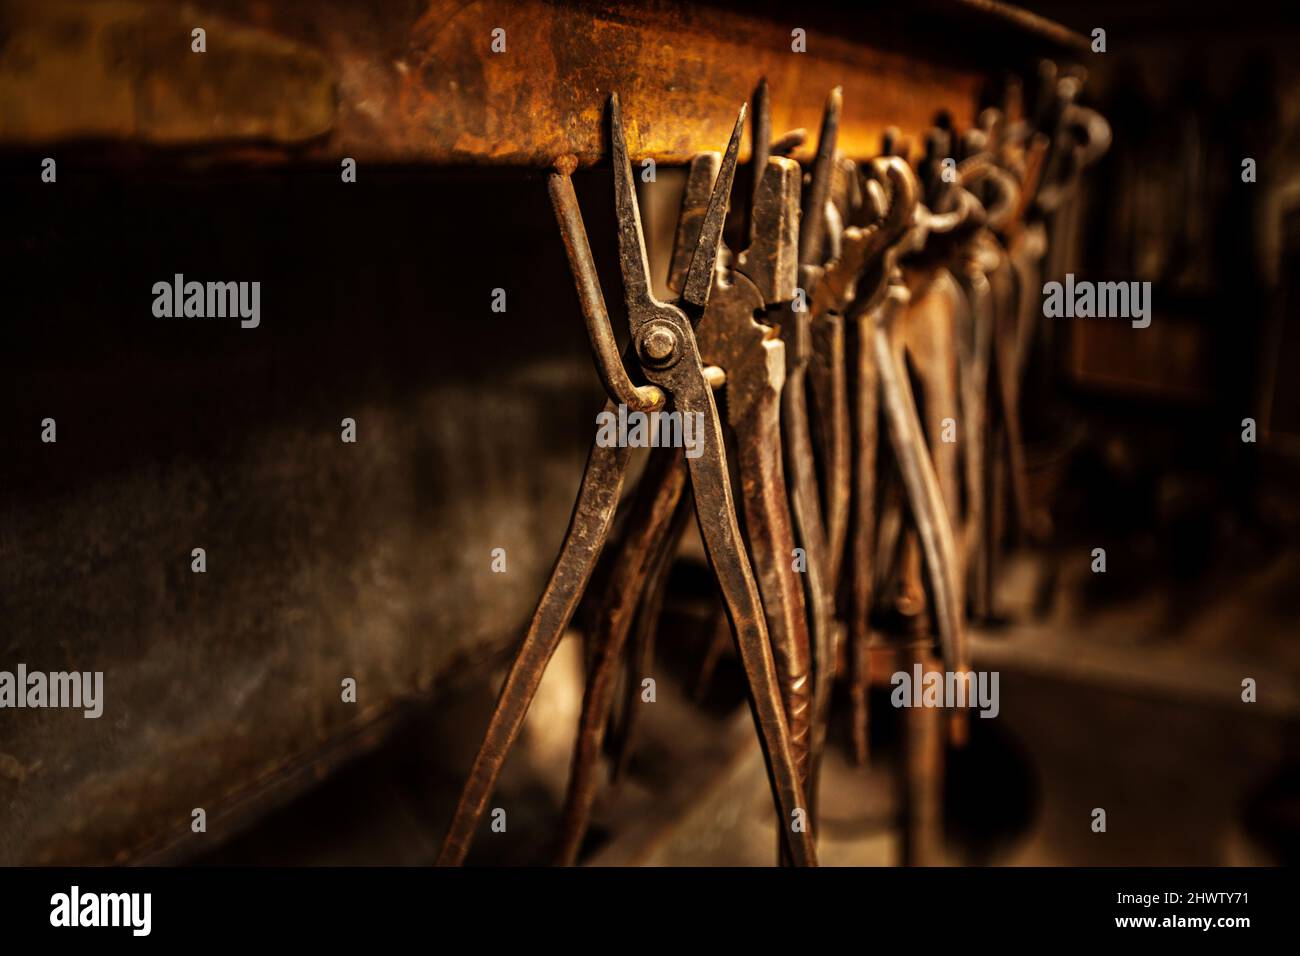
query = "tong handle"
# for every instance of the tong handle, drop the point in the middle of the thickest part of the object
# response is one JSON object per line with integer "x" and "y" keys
{"x": 604, "y": 348}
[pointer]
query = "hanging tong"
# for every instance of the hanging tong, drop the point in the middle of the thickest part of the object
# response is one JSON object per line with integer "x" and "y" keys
{"x": 799, "y": 424}
{"x": 751, "y": 358}
{"x": 733, "y": 335}
{"x": 986, "y": 341}
{"x": 1046, "y": 157}
{"x": 904, "y": 224}
{"x": 664, "y": 349}
{"x": 826, "y": 368}
{"x": 867, "y": 260}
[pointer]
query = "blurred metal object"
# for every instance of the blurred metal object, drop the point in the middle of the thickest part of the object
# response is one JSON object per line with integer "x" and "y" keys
{"x": 84, "y": 71}
{"x": 893, "y": 191}
{"x": 933, "y": 240}
{"x": 826, "y": 369}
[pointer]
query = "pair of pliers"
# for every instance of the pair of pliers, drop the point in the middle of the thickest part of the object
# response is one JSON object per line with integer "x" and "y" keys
{"x": 751, "y": 367}
{"x": 736, "y": 334}
{"x": 667, "y": 358}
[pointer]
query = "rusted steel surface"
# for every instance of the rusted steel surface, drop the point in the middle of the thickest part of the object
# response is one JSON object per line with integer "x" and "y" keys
{"x": 420, "y": 82}
{"x": 771, "y": 539}
{"x": 809, "y": 528}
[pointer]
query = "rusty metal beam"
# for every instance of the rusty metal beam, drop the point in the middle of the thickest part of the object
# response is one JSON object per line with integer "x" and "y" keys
{"x": 420, "y": 82}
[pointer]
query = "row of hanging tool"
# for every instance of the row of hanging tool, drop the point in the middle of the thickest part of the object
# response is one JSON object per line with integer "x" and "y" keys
{"x": 869, "y": 508}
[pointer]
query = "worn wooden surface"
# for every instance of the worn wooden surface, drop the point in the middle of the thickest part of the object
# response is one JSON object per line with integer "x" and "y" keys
{"x": 419, "y": 82}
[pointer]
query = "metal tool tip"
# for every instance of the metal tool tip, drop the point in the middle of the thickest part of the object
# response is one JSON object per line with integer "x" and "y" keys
{"x": 831, "y": 112}
{"x": 733, "y": 145}
{"x": 566, "y": 164}
{"x": 699, "y": 277}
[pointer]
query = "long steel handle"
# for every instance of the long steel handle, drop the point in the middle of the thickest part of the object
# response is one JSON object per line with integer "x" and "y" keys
{"x": 588, "y": 527}
{"x": 716, "y": 512}
{"x": 604, "y": 348}
{"x": 810, "y": 533}
{"x": 919, "y": 478}
{"x": 771, "y": 542}
{"x": 648, "y": 526}
{"x": 862, "y": 542}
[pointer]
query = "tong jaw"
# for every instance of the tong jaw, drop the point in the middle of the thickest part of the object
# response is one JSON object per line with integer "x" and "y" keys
{"x": 771, "y": 261}
{"x": 731, "y": 332}
{"x": 631, "y": 238}
{"x": 893, "y": 192}
{"x": 661, "y": 332}
{"x": 604, "y": 348}
{"x": 700, "y": 178}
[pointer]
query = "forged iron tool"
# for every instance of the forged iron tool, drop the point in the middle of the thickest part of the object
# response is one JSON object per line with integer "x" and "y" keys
{"x": 733, "y": 336}
{"x": 796, "y": 321}
{"x": 666, "y": 354}
{"x": 651, "y": 597}
{"x": 1044, "y": 159}
{"x": 869, "y": 253}
{"x": 730, "y": 337}
{"x": 641, "y": 652}
{"x": 769, "y": 276}
{"x": 989, "y": 343}
{"x": 881, "y": 375}
{"x": 826, "y": 367}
